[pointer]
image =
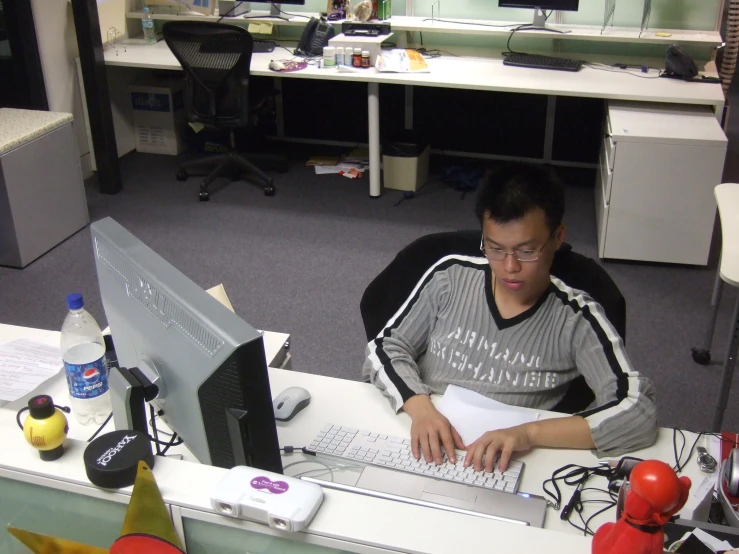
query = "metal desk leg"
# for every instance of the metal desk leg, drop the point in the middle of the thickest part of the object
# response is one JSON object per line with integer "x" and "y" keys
{"x": 728, "y": 371}
{"x": 373, "y": 104}
{"x": 703, "y": 355}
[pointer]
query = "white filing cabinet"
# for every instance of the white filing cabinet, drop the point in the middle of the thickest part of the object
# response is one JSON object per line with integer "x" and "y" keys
{"x": 654, "y": 196}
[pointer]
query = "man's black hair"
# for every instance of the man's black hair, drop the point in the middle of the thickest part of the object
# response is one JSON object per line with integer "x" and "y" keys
{"x": 510, "y": 192}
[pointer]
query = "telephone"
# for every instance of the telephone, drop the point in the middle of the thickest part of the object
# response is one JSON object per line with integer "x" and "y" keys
{"x": 315, "y": 37}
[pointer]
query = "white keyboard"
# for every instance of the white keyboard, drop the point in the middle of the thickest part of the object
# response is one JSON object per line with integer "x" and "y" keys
{"x": 394, "y": 452}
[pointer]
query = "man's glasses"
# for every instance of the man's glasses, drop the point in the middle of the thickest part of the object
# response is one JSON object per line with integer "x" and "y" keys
{"x": 496, "y": 254}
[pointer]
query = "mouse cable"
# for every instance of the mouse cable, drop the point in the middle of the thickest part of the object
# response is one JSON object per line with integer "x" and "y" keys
{"x": 303, "y": 449}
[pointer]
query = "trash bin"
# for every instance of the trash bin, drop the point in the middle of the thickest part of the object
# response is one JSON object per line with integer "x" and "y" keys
{"x": 406, "y": 163}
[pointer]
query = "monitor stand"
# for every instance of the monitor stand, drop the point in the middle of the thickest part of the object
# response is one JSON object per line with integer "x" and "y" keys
{"x": 540, "y": 24}
{"x": 276, "y": 11}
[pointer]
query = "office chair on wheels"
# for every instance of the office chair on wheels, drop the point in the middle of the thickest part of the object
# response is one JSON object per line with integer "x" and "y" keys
{"x": 386, "y": 293}
{"x": 216, "y": 59}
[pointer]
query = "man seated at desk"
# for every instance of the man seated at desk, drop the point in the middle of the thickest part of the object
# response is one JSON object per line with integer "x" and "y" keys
{"x": 523, "y": 335}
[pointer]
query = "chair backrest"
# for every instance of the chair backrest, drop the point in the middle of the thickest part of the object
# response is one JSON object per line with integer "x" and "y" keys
{"x": 216, "y": 59}
{"x": 386, "y": 293}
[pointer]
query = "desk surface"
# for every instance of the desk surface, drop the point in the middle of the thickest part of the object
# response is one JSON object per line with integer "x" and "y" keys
{"x": 344, "y": 516}
{"x": 474, "y": 72}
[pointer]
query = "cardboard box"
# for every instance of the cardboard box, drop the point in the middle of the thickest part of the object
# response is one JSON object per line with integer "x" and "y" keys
{"x": 159, "y": 118}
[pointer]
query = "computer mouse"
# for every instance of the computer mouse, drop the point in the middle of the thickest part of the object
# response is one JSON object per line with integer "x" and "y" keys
{"x": 276, "y": 65}
{"x": 289, "y": 402}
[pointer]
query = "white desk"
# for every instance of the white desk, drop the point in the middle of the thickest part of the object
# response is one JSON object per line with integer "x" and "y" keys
{"x": 346, "y": 521}
{"x": 473, "y": 70}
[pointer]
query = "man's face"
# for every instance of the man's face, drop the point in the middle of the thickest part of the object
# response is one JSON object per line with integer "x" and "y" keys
{"x": 530, "y": 236}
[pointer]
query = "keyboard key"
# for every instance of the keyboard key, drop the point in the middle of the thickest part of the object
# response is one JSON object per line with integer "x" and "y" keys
{"x": 351, "y": 430}
{"x": 395, "y": 440}
{"x": 373, "y": 435}
{"x": 326, "y": 428}
{"x": 364, "y": 433}
{"x": 382, "y": 437}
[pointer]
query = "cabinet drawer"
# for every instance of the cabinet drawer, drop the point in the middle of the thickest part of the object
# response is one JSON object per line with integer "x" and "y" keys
{"x": 609, "y": 150}
{"x": 605, "y": 174}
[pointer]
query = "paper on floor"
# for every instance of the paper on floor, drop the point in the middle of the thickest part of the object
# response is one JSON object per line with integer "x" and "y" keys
{"x": 473, "y": 414}
{"x": 24, "y": 365}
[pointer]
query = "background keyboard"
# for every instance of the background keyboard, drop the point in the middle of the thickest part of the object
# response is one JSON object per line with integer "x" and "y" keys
{"x": 264, "y": 46}
{"x": 367, "y": 447}
{"x": 542, "y": 62}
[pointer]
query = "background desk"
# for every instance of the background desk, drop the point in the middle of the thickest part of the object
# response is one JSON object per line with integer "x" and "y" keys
{"x": 346, "y": 521}
{"x": 474, "y": 69}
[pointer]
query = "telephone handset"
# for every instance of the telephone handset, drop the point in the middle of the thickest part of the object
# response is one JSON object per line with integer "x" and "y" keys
{"x": 315, "y": 37}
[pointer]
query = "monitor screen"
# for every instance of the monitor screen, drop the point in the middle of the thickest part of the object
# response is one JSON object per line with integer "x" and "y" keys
{"x": 208, "y": 364}
{"x": 566, "y": 5}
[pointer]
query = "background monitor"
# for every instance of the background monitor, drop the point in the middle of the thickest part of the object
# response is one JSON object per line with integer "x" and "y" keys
{"x": 208, "y": 363}
{"x": 540, "y": 6}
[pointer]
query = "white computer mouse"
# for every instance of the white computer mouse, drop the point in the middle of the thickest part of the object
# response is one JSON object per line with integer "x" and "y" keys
{"x": 289, "y": 402}
{"x": 276, "y": 65}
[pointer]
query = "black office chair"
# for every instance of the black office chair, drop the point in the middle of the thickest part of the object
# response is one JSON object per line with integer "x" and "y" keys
{"x": 216, "y": 59}
{"x": 386, "y": 293}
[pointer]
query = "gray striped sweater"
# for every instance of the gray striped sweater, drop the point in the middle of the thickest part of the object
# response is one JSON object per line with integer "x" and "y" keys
{"x": 449, "y": 331}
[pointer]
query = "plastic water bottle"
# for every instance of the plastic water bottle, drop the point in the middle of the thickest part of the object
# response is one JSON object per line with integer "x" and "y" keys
{"x": 147, "y": 24}
{"x": 83, "y": 353}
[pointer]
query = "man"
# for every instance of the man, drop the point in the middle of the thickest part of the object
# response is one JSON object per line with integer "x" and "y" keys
{"x": 501, "y": 325}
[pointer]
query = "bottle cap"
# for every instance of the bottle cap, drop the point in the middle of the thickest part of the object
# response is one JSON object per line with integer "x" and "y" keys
{"x": 41, "y": 407}
{"x": 74, "y": 301}
{"x": 365, "y": 53}
{"x": 146, "y": 9}
{"x": 357, "y": 50}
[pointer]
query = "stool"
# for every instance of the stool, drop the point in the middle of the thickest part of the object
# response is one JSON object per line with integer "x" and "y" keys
{"x": 727, "y": 199}
{"x": 42, "y": 196}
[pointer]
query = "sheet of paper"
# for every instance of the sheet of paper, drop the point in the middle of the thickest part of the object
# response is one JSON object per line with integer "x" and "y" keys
{"x": 24, "y": 365}
{"x": 473, "y": 414}
{"x": 711, "y": 542}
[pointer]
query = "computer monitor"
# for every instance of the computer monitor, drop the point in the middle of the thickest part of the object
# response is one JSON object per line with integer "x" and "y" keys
{"x": 539, "y": 7}
{"x": 276, "y": 7}
{"x": 208, "y": 364}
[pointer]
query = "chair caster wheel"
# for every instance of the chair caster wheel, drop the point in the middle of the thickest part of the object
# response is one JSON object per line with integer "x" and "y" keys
{"x": 181, "y": 175}
{"x": 701, "y": 356}
{"x": 269, "y": 191}
{"x": 204, "y": 196}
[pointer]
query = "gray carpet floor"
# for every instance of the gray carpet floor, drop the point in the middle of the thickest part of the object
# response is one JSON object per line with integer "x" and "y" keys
{"x": 299, "y": 262}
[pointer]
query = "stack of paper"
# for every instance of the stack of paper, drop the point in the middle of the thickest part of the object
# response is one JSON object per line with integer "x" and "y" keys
{"x": 352, "y": 166}
{"x": 24, "y": 365}
{"x": 473, "y": 414}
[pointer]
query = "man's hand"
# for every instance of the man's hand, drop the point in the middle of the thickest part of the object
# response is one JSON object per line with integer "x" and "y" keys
{"x": 561, "y": 432}
{"x": 503, "y": 441}
{"x": 430, "y": 431}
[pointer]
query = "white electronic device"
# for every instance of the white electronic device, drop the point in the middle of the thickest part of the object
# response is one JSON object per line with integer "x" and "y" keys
{"x": 282, "y": 502}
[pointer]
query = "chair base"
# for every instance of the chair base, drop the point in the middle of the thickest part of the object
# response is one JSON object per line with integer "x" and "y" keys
{"x": 235, "y": 165}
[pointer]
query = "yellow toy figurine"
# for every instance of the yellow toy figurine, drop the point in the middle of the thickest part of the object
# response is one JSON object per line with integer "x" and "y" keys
{"x": 45, "y": 427}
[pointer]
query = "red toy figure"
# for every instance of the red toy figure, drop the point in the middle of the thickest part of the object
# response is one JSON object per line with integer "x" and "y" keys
{"x": 655, "y": 495}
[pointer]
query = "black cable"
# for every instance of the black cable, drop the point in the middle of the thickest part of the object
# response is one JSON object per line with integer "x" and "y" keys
{"x": 472, "y": 23}
{"x": 674, "y": 447}
{"x": 622, "y": 71}
{"x": 421, "y": 33}
{"x": 154, "y": 428}
{"x": 107, "y": 419}
{"x": 290, "y": 14}
{"x": 174, "y": 441}
{"x": 303, "y": 449}
{"x": 236, "y": 5}
{"x": 508, "y": 43}
{"x": 690, "y": 453}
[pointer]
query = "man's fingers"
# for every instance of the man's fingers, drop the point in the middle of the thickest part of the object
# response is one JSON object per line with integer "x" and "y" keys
{"x": 448, "y": 442}
{"x": 435, "y": 447}
{"x": 425, "y": 448}
{"x": 505, "y": 457}
{"x": 415, "y": 446}
{"x": 490, "y": 454}
{"x": 457, "y": 439}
